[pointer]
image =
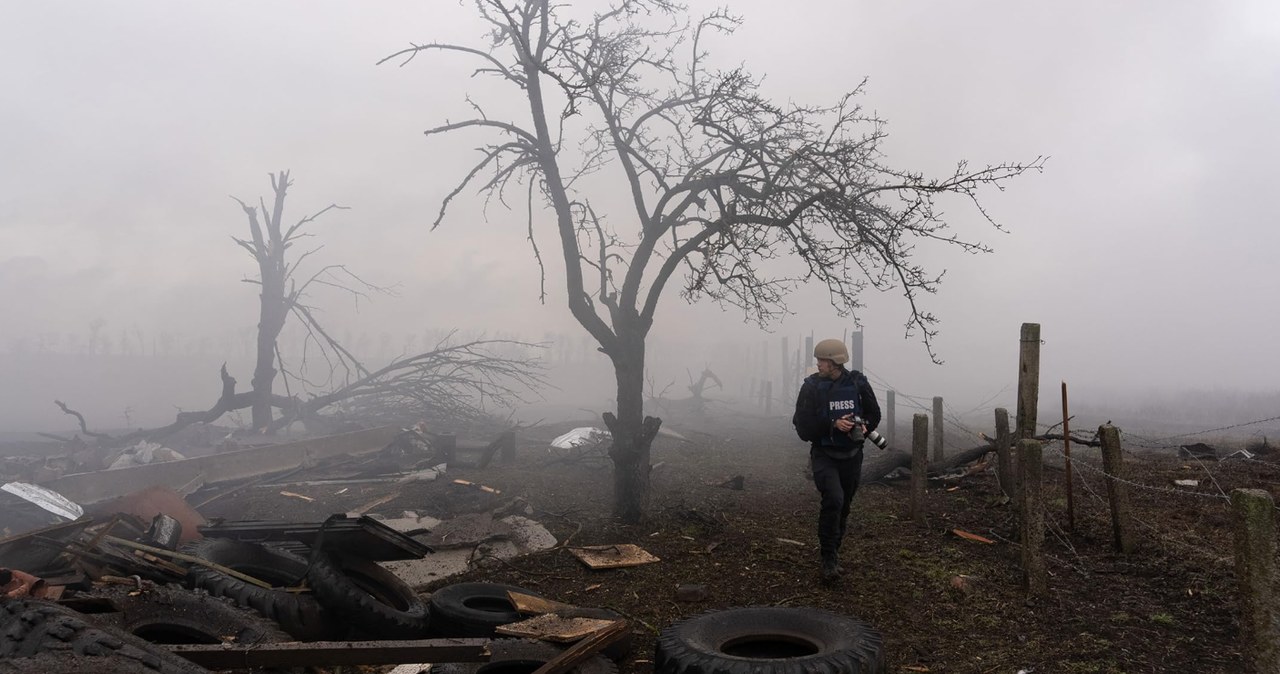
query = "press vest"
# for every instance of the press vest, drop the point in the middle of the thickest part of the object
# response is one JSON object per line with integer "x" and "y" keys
{"x": 837, "y": 399}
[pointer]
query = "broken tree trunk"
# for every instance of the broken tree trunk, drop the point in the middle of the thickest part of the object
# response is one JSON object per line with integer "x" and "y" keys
{"x": 877, "y": 466}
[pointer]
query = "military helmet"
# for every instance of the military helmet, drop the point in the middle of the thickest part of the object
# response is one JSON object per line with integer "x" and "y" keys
{"x": 833, "y": 350}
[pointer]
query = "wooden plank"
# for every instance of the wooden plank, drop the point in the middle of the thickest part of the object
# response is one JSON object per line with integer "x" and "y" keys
{"x": 585, "y": 649}
{"x": 551, "y": 627}
{"x": 613, "y": 556}
{"x": 527, "y": 603}
{"x": 332, "y": 653}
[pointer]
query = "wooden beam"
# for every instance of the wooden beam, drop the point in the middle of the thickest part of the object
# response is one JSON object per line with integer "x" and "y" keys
{"x": 331, "y": 653}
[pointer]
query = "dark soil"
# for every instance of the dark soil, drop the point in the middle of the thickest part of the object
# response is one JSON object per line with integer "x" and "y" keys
{"x": 942, "y": 602}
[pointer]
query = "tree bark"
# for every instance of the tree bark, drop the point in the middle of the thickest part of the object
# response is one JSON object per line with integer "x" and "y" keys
{"x": 632, "y": 432}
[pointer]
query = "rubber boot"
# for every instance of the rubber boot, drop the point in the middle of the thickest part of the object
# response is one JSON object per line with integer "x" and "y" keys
{"x": 830, "y": 568}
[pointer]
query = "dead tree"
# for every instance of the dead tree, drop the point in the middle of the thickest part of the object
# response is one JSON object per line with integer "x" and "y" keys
{"x": 719, "y": 178}
{"x": 457, "y": 381}
{"x": 268, "y": 244}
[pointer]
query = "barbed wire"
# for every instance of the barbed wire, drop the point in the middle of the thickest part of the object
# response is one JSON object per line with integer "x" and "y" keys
{"x": 1139, "y": 485}
{"x": 1155, "y": 533}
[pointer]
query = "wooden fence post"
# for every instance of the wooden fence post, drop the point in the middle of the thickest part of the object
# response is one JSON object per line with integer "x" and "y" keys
{"x": 1253, "y": 515}
{"x": 1028, "y": 380}
{"x": 890, "y": 419}
{"x": 937, "y": 428}
{"x": 919, "y": 466}
{"x": 1117, "y": 490}
{"x": 1031, "y": 463}
{"x": 1004, "y": 471}
{"x": 785, "y": 361}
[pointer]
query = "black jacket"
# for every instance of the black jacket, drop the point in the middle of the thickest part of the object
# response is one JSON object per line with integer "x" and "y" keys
{"x": 811, "y": 420}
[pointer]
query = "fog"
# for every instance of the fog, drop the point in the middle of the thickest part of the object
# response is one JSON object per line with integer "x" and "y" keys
{"x": 1146, "y": 249}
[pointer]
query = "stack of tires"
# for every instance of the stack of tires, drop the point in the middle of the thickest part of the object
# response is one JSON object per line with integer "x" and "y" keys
{"x": 351, "y": 597}
{"x": 769, "y": 640}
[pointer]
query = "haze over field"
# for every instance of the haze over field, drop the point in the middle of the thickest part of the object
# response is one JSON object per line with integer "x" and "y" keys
{"x": 1146, "y": 248}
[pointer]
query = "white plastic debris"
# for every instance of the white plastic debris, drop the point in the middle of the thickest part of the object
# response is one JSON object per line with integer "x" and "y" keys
{"x": 144, "y": 453}
{"x": 1187, "y": 483}
{"x": 585, "y": 435}
{"x": 47, "y": 499}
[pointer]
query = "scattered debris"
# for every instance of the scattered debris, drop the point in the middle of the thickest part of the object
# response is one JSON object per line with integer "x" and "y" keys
{"x": 144, "y": 453}
{"x": 1187, "y": 483}
{"x": 788, "y": 541}
{"x": 582, "y": 436}
{"x": 481, "y": 487}
{"x": 972, "y": 537}
{"x": 297, "y": 496}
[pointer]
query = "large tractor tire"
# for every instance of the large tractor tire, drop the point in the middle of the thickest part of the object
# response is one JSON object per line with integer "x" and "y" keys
{"x": 769, "y": 640}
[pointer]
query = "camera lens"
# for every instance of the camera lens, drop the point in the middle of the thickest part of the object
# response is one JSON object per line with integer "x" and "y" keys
{"x": 879, "y": 440}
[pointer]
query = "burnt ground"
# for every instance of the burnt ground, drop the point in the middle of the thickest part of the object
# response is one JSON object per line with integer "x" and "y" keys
{"x": 943, "y": 603}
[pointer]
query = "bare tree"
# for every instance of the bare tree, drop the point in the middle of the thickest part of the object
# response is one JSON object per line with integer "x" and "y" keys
{"x": 721, "y": 181}
{"x": 268, "y": 244}
{"x": 454, "y": 383}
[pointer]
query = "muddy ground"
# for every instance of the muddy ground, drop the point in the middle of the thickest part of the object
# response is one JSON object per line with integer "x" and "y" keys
{"x": 942, "y": 602}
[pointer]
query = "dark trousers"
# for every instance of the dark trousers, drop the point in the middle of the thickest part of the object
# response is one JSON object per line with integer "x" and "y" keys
{"x": 837, "y": 482}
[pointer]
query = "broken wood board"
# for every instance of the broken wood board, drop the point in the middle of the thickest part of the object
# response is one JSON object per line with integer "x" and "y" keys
{"x": 613, "y": 556}
{"x": 527, "y": 603}
{"x": 551, "y": 627}
{"x": 972, "y": 537}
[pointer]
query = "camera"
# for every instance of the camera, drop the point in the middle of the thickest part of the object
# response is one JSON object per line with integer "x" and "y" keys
{"x": 875, "y": 438}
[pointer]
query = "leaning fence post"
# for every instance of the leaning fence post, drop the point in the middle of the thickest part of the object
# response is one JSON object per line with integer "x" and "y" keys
{"x": 1117, "y": 490}
{"x": 890, "y": 419}
{"x": 1004, "y": 471}
{"x": 1253, "y": 515}
{"x": 937, "y": 428}
{"x": 1031, "y": 465}
{"x": 919, "y": 466}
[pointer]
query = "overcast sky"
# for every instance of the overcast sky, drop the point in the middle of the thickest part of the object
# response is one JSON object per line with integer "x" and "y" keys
{"x": 1147, "y": 249}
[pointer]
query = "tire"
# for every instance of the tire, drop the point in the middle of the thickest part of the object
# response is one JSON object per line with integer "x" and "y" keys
{"x": 175, "y": 615}
{"x": 298, "y": 614}
{"x": 765, "y": 640}
{"x": 61, "y": 664}
{"x": 45, "y": 632}
{"x": 473, "y": 609}
{"x": 372, "y": 599}
{"x": 512, "y": 656}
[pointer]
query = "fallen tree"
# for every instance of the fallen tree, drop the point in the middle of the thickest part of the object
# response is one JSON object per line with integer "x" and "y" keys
{"x": 884, "y": 466}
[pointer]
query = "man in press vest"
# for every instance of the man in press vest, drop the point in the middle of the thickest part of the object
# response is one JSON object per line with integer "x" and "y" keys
{"x": 835, "y": 410}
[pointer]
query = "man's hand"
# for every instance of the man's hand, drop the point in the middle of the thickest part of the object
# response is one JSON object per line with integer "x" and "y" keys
{"x": 845, "y": 423}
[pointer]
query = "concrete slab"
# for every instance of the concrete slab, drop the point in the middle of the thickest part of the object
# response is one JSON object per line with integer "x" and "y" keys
{"x": 470, "y": 539}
